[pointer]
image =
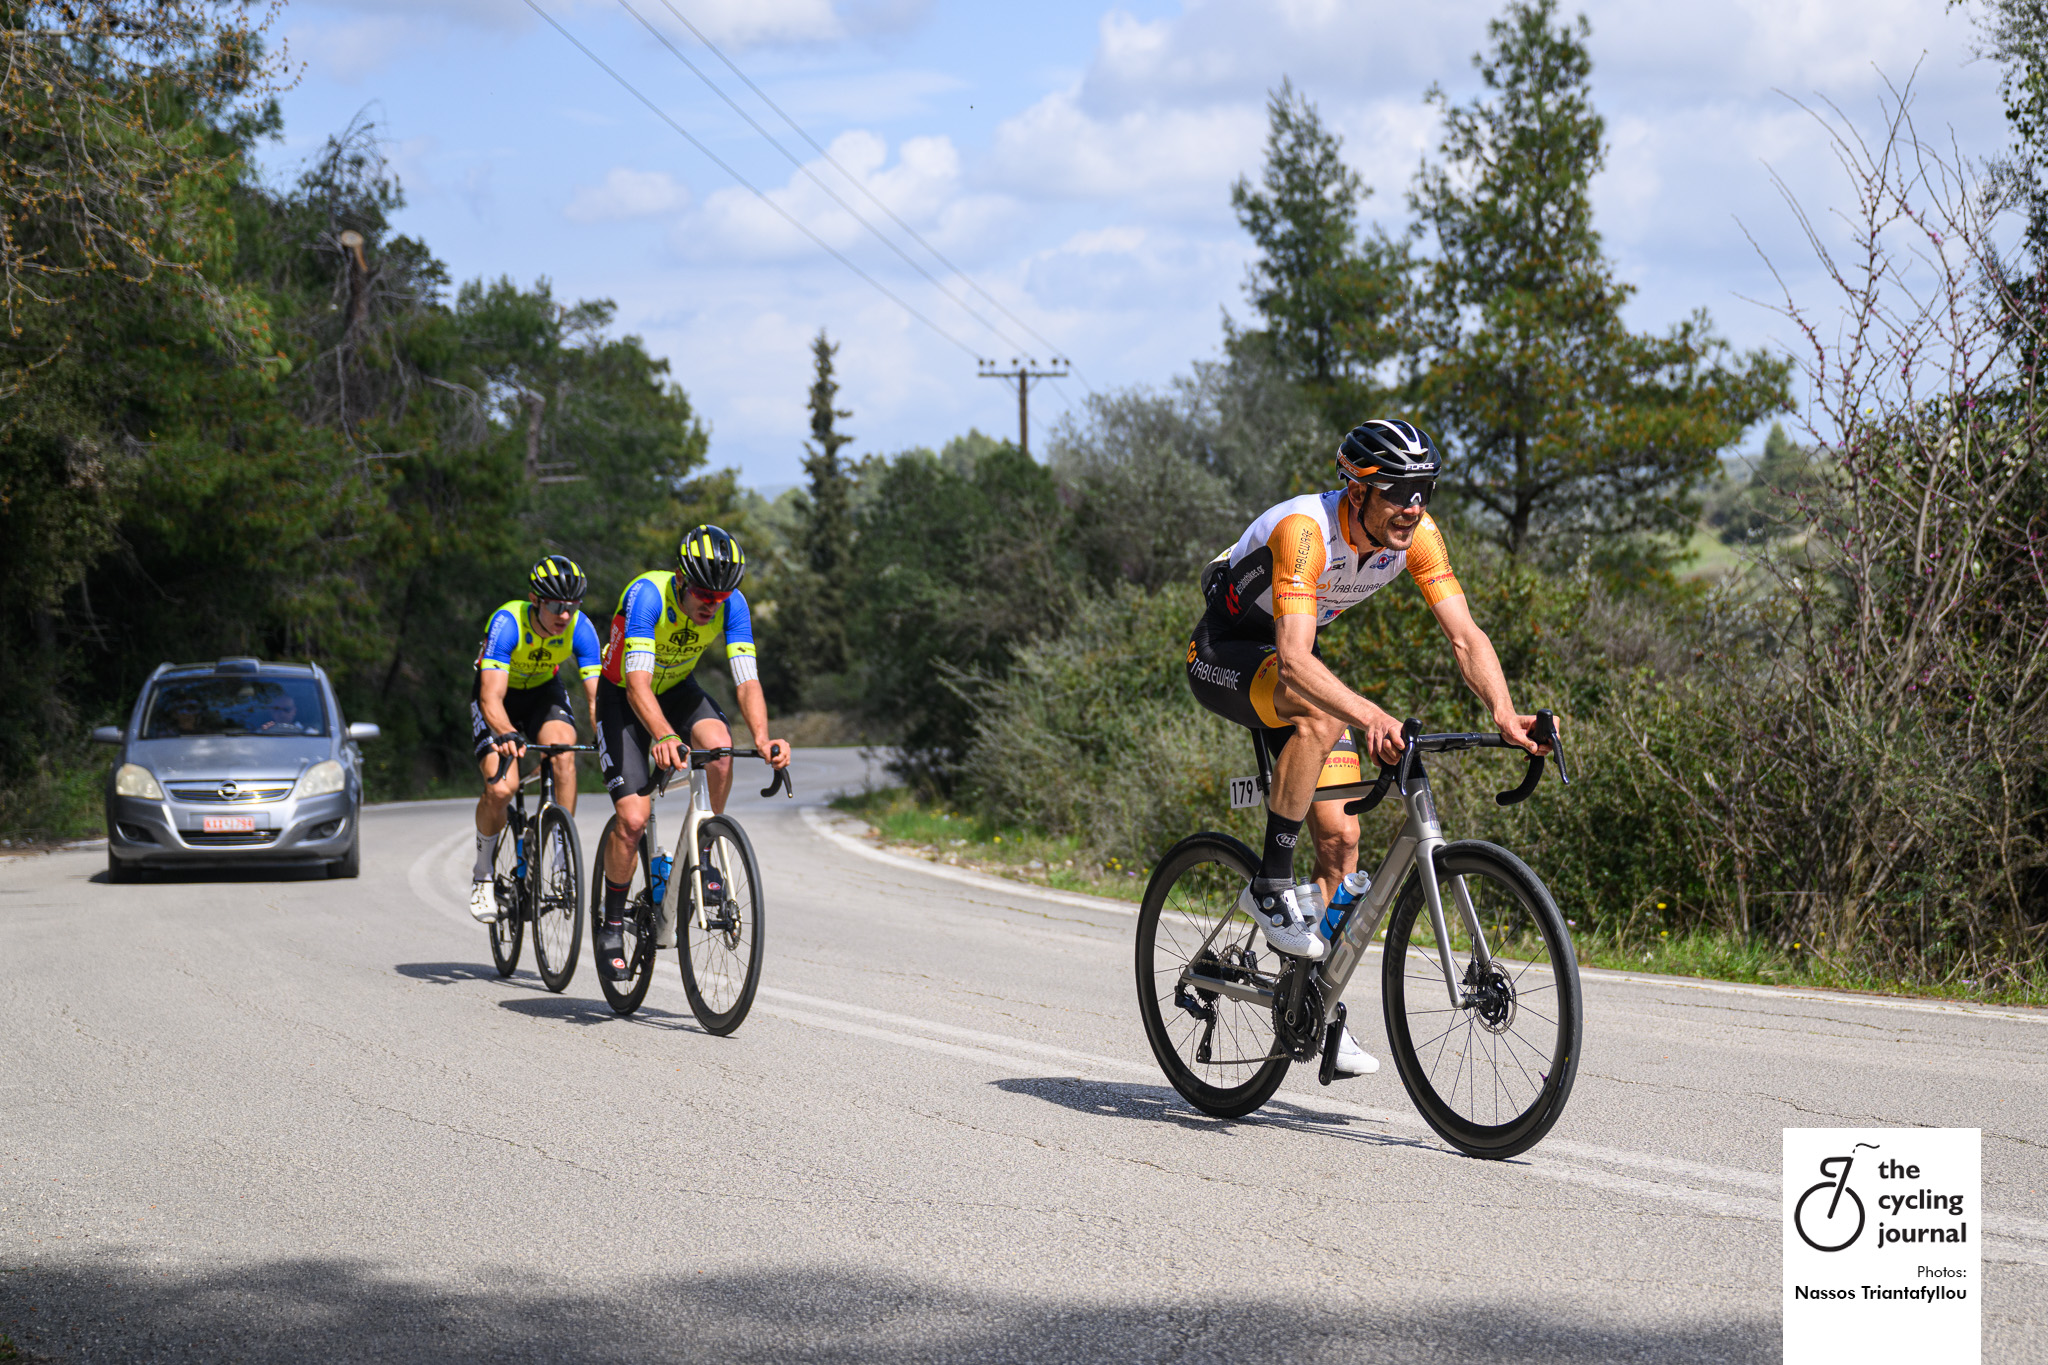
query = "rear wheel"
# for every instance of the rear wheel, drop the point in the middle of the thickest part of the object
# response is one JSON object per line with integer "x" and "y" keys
{"x": 1219, "y": 1051}
{"x": 1490, "y": 1074}
{"x": 626, "y": 996}
{"x": 557, "y": 890}
{"x": 722, "y": 957}
{"x": 510, "y": 927}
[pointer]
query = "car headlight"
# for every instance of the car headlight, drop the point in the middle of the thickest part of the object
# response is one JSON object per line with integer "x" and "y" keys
{"x": 135, "y": 780}
{"x": 323, "y": 778}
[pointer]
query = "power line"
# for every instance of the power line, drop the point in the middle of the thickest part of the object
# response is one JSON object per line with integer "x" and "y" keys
{"x": 851, "y": 179}
{"x": 716, "y": 160}
{"x": 812, "y": 176}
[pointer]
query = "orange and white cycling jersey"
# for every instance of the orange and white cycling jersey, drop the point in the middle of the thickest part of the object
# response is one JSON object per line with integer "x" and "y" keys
{"x": 1309, "y": 556}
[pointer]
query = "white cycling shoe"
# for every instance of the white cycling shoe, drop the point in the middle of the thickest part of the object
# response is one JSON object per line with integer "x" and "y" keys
{"x": 1287, "y": 916}
{"x": 483, "y": 902}
{"x": 1353, "y": 1060}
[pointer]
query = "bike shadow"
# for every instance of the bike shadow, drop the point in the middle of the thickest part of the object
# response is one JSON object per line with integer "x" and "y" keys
{"x": 573, "y": 1010}
{"x": 455, "y": 973}
{"x": 1161, "y": 1104}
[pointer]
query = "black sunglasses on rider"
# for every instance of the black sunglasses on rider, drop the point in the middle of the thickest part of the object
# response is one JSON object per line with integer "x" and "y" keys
{"x": 1404, "y": 492}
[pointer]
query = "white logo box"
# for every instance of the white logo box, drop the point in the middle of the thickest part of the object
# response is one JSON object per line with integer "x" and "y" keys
{"x": 1883, "y": 1245}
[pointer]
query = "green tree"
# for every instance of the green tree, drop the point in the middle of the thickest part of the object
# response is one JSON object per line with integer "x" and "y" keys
{"x": 1563, "y": 426}
{"x": 1331, "y": 302}
{"x": 810, "y": 588}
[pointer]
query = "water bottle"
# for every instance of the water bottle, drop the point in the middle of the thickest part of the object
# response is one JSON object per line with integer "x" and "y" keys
{"x": 660, "y": 867}
{"x": 519, "y": 861}
{"x": 1348, "y": 891}
{"x": 664, "y": 921}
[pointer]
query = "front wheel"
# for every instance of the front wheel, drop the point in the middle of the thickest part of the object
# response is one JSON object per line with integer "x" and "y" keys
{"x": 1490, "y": 1073}
{"x": 722, "y": 955}
{"x": 557, "y": 890}
{"x": 626, "y": 996}
{"x": 508, "y": 931}
{"x": 1218, "y": 1050}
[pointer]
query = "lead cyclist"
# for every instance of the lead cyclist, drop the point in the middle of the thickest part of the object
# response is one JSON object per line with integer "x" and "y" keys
{"x": 1254, "y": 659}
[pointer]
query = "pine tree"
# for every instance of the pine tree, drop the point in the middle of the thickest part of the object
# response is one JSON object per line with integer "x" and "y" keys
{"x": 1562, "y": 425}
{"x": 813, "y": 600}
{"x": 1331, "y": 302}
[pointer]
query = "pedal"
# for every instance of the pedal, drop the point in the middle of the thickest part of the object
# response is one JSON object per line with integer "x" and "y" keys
{"x": 1328, "y": 1071}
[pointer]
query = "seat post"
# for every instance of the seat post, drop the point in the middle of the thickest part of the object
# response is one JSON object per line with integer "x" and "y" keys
{"x": 1265, "y": 765}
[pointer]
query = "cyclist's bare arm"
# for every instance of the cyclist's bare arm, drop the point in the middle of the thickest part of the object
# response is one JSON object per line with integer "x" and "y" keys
{"x": 590, "y": 701}
{"x": 754, "y": 710}
{"x": 667, "y": 751}
{"x": 1481, "y": 669}
{"x": 1311, "y": 680}
{"x": 490, "y": 699}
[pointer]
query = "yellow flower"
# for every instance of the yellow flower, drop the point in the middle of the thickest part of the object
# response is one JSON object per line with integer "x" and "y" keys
{"x": 1660, "y": 905}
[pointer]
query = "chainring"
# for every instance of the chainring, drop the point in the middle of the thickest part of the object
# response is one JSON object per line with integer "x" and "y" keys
{"x": 1302, "y": 1038}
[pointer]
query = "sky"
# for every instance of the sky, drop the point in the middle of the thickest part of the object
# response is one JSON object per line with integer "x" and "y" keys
{"x": 1068, "y": 160}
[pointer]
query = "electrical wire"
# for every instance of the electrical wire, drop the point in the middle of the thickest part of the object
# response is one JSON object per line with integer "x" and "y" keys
{"x": 853, "y": 180}
{"x": 812, "y": 176}
{"x": 716, "y": 160}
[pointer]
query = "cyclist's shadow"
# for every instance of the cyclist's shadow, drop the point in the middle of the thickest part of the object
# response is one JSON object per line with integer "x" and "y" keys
{"x": 1160, "y": 1104}
{"x": 572, "y": 1010}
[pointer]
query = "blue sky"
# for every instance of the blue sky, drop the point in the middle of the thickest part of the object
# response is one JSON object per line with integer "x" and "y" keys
{"x": 1073, "y": 159}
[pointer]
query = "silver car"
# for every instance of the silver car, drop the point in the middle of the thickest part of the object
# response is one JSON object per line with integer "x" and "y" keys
{"x": 235, "y": 762}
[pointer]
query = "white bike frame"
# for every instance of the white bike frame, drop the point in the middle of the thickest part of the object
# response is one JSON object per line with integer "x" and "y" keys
{"x": 683, "y": 860}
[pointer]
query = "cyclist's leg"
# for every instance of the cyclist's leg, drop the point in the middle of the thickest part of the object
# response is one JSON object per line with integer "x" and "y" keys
{"x": 490, "y": 806}
{"x": 695, "y": 714}
{"x": 1238, "y": 677}
{"x": 622, "y": 755}
{"x": 558, "y": 726}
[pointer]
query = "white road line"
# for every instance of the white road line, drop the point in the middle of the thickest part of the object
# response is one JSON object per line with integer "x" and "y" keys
{"x": 819, "y": 819}
{"x": 1667, "y": 1179}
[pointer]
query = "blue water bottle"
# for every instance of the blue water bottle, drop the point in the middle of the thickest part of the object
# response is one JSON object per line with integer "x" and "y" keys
{"x": 660, "y": 867}
{"x": 519, "y": 861}
{"x": 1348, "y": 891}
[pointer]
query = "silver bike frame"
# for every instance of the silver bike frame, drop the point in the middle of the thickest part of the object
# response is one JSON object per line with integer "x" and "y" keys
{"x": 1414, "y": 847}
{"x": 682, "y": 865}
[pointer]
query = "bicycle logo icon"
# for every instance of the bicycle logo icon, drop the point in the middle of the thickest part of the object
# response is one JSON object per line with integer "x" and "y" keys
{"x": 1831, "y": 1228}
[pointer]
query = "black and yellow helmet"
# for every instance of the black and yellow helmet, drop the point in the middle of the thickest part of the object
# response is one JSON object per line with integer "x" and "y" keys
{"x": 555, "y": 578}
{"x": 710, "y": 560}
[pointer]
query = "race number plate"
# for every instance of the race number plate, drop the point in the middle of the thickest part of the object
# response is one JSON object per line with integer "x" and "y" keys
{"x": 228, "y": 824}
{"x": 1244, "y": 793}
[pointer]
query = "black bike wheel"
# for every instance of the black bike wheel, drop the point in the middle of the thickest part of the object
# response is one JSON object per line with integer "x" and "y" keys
{"x": 722, "y": 956}
{"x": 1219, "y": 1052}
{"x": 556, "y": 887}
{"x": 1490, "y": 1075}
{"x": 510, "y": 929}
{"x": 626, "y": 996}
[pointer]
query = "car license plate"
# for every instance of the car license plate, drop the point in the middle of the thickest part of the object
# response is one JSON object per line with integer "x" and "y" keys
{"x": 228, "y": 824}
{"x": 1244, "y": 793}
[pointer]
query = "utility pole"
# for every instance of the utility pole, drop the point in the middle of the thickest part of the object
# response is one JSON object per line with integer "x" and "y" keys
{"x": 1020, "y": 377}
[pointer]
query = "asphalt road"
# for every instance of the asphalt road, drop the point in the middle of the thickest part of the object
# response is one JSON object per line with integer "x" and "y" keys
{"x": 268, "y": 1117}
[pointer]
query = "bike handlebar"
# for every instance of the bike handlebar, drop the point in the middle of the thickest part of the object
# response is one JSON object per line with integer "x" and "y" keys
{"x": 545, "y": 750}
{"x": 704, "y": 758}
{"x": 1413, "y": 742}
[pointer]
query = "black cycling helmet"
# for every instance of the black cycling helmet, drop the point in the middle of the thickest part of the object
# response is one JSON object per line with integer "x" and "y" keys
{"x": 710, "y": 560}
{"x": 1393, "y": 456}
{"x": 555, "y": 578}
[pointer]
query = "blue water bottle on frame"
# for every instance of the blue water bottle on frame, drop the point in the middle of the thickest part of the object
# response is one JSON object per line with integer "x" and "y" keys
{"x": 1348, "y": 891}
{"x": 659, "y": 867}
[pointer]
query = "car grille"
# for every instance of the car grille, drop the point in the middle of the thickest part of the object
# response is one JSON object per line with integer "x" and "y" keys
{"x": 267, "y": 791}
{"x": 261, "y": 836}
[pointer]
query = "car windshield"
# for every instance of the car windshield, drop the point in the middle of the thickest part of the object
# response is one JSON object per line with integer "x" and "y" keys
{"x": 215, "y": 705}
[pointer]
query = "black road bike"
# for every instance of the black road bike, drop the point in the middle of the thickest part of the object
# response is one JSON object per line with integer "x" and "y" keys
{"x": 709, "y": 909}
{"x": 1479, "y": 982}
{"x": 538, "y": 873}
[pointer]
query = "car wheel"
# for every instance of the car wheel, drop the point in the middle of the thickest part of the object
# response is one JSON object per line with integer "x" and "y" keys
{"x": 118, "y": 872}
{"x": 350, "y": 864}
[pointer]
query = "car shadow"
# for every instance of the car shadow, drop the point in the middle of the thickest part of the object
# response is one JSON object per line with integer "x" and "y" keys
{"x": 275, "y": 872}
{"x": 1161, "y": 1104}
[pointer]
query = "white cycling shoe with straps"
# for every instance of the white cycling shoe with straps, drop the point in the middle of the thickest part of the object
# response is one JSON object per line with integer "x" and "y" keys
{"x": 1287, "y": 916}
{"x": 483, "y": 902}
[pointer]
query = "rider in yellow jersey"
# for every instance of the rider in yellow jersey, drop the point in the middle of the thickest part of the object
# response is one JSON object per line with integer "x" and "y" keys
{"x": 1253, "y": 658}
{"x": 650, "y": 710}
{"x": 517, "y": 697}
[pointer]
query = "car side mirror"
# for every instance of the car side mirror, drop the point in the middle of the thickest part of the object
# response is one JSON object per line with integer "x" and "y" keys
{"x": 363, "y": 729}
{"x": 109, "y": 734}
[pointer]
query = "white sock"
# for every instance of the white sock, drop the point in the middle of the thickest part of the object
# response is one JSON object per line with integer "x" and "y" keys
{"x": 486, "y": 851}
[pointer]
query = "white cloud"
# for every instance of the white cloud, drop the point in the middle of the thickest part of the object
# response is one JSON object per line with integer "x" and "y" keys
{"x": 625, "y": 194}
{"x": 920, "y": 188}
{"x": 737, "y": 22}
